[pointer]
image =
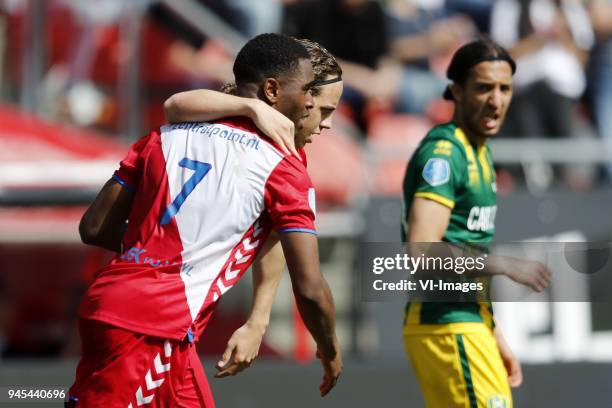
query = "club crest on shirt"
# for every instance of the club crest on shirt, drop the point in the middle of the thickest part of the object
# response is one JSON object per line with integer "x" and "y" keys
{"x": 436, "y": 171}
{"x": 497, "y": 401}
{"x": 312, "y": 202}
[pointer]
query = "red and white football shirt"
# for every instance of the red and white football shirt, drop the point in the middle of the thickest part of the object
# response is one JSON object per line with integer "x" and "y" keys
{"x": 206, "y": 196}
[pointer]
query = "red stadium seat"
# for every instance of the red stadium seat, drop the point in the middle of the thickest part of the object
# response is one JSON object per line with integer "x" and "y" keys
{"x": 440, "y": 111}
{"x": 70, "y": 156}
{"x": 335, "y": 164}
{"x": 391, "y": 141}
{"x": 403, "y": 127}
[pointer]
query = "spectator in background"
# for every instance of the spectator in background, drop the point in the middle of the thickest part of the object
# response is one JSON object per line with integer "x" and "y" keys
{"x": 355, "y": 32}
{"x": 193, "y": 53}
{"x": 422, "y": 36}
{"x": 600, "y": 70}
{"x": 261, "y": 16}
{"x": 478, "y": 10}
{"x": 549, "y": 40}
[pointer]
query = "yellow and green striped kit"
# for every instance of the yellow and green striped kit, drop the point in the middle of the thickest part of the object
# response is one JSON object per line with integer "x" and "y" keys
{"x": 450, "y": 170}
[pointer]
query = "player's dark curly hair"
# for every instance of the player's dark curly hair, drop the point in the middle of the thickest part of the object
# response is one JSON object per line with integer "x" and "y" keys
{"x": 267, "y": 56}
{"x": 323, "y": 63}
{"x": 471, "y": 54}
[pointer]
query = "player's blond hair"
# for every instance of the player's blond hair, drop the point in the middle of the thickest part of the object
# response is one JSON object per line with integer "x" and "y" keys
{"x": 323, "y": 62}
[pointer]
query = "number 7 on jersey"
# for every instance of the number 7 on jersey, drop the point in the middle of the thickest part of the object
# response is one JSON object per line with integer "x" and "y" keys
{"x": 201, "y": 169}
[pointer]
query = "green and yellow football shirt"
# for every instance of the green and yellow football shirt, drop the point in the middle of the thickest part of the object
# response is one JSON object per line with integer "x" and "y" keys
{"x": 448, "y": 169}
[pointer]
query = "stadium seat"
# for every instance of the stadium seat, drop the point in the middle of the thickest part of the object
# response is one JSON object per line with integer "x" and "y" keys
{"x": 440, "y": 111}
{"x": 399, "y": 127}
{"x": 72, "y": 157}
{"x": 335, "y": 164}
{"x": 391, "y": 141}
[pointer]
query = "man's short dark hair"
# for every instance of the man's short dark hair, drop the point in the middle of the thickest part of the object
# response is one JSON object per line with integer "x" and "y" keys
{"x": 267, "y": 56}
{"x": 323, "y": 63}
{"x": 472, "y": 54}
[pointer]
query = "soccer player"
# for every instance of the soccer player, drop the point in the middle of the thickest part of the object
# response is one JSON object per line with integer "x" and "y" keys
{"x": 205, "y": 105}
{"x": 200, "y": 200}
{"x": 457, "y": 352}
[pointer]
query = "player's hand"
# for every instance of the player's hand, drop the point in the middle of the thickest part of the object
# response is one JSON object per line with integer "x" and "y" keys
{"x": 332, "y": 367}
{"x": 275, "y": 125}
{"x": 534, "y": 274}
{"x": 241, "y": 350}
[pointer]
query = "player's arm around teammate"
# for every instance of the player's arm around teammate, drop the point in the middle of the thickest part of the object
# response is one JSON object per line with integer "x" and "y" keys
{"x": 201, "y": 105}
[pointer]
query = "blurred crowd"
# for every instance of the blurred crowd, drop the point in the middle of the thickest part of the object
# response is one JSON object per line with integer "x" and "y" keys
{"x": 393, "y": 53}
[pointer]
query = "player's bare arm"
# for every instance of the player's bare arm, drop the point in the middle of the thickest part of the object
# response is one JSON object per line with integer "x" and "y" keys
{"x": 427, "y": 223}
{"x": 427, "y": 220}
{"x": 512, "y": 364}
{"x": 243, "y": 346}
{"x": 103, "y": 224}
{"x": 202, "y": 105}
{"x": 314, "y": 301}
